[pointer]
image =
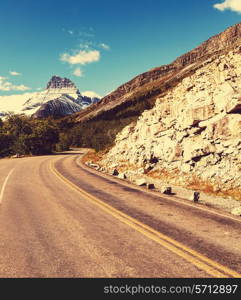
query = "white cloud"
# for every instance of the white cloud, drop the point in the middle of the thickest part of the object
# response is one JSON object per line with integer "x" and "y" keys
{"x": 9, "y": 86}
{"x": 86, "y": 45}
{"x": 14, "y": 73}
{"x": 77, "y": 72}
{"x": 86, "y": 34}
{"x": 21, "y": 87}
{"x": 234, "y": 5}
{"x": 71, "y": 32}
{"x": 90, "y": 94}
{"x": 105, "y": 46}
{"x": 82, "y": 57}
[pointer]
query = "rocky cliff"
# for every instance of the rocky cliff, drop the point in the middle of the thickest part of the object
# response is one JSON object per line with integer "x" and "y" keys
{"x": 157, "y": 81}
{"x": 215, "y": 44}
{"x": 57, "y": 82}
{"x": 192, "y": 136}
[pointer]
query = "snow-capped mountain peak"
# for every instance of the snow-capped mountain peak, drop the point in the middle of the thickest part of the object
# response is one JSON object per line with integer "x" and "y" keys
{"x": 61, "y": 97}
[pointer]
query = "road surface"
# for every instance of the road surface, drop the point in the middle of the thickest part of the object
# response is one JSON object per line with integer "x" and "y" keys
{"x": 60, "y": 219}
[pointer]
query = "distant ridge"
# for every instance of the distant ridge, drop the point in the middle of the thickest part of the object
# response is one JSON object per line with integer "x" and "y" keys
{"x": 156, "y": 81}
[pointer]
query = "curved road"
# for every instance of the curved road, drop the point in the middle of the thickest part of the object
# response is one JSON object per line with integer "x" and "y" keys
{"x": 60, "y": 219}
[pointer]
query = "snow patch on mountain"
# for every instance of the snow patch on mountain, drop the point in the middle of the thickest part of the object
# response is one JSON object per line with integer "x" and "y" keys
{"x": 14, "y": 103}
{"x": 61, "y": 97}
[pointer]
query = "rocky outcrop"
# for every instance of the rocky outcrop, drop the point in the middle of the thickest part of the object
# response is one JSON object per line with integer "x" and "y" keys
{"x": 193, "y": 133}
{"x": 158, "y": 80}
{"x": 57, "y": 82}
{"x": 215, "y": 44}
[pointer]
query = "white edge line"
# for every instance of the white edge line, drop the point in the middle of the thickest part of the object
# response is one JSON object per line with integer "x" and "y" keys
{"x": 4, "y": 185}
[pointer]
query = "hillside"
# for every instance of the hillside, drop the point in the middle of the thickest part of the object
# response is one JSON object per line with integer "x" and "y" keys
{"x": 192, "y": 135}
{"x": 156, "y": 82}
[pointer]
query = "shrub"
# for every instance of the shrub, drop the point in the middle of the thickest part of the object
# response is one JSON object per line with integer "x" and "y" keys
{"x": 64, "y": 143}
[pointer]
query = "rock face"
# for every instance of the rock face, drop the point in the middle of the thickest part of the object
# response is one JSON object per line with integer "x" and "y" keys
{"x": 57, "y": 82}
{"x": 193, "y": 133}
{"x": 158, "y": 80}
{"x": 214, "y": 44}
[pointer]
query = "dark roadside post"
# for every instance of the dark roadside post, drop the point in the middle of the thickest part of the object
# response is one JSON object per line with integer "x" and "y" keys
{"x": 196, "y": 197}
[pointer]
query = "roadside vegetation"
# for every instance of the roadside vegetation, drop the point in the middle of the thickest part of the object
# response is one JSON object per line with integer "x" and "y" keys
{"x": 99, "y": 133}
{"x": 23, "y": 135}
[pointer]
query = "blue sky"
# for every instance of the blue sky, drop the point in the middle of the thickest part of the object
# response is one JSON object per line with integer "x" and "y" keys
{"x": 101, "y": 44}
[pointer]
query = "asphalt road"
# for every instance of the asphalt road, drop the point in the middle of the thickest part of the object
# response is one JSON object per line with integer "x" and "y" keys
{"x": 60, "y": 219}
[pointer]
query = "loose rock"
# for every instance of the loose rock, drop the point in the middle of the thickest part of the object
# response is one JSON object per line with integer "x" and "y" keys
{"x": 122, "y": 176}
{"x": 141, "y": 182}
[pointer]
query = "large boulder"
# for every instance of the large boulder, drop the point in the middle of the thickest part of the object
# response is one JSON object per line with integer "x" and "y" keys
{"x": 141, "y": 182}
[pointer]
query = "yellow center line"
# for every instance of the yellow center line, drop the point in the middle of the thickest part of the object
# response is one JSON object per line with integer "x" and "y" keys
{"x": 202, "y": 262}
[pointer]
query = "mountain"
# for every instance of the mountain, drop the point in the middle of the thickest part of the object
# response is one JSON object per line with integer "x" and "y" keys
{"x": 149, "y": 85}
{"x": 60, "y": 98}
{"x": 192, "y": 135}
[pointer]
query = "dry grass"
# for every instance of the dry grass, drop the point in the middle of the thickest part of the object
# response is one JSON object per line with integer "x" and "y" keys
{"x": 234, "y": 193}
{"x": 197, "y": 183}
{"x": 175, "y": 177}
{"x": 194, "y": 183}
{"x": 163, "y": 174}
{"x": 91, "y": 156}
{"x": 94, "y": 156}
